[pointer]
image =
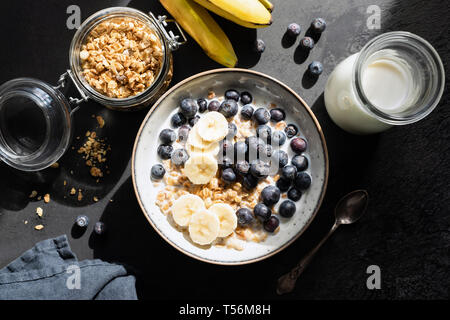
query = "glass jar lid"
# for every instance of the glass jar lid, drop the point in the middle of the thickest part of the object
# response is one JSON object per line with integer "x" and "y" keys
{"x": 35, "y": 124}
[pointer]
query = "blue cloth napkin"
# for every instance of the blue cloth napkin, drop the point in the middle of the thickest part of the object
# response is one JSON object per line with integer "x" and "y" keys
{"x": 51, "y": 271}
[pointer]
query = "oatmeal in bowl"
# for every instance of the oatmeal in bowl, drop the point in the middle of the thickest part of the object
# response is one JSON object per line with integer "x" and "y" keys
{"x": 233, "y": 172}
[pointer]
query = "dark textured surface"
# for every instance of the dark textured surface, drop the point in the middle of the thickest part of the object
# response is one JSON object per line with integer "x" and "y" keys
{"x": 406, "y": 170}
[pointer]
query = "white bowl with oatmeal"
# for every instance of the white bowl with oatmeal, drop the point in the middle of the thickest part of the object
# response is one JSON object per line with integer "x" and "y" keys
{"x": 195, "y": 206}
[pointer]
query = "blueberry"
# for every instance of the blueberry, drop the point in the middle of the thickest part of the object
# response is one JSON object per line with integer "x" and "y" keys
{"x": 167, "y": 136}
{"x": 278, "y": 138}
{"x": 270, "y": 195}
{"x": 183, "y": 133}
{"x": 283, "y": 184}
{"x": 271, "y": 224}
{"x": 268, "y": 151}
{"x": 226, "y": 163}
{"x": 280, "y": 157}
{"x": 315, "y": 68}
{"x": 253, "y": 143}
{"x": 262, "y": 116}
{"x": 262, "y": 212}
{"x": 300, "y": 162}
{"x": 229, "y": 108}
{"x": 82, "y": 221}
{"x": 228, "y": 175}
{"x": 214, "y": 105}
{"x": 179, "y": 157}
{"x": 287, "y": 208}
{"x": 259, "y": 169}
{"x": 246, "y": 97}
{"x": 294, "y": 194}
{"x": 242, "y": 167}
{"x": 259, "y": 46}
{"x": 291, "y": 130}
{"x": 165, "y": 151}
{"x": 302, "y": 181}
{"x": 193, "y": 120}
{"x": 249, "y": 182}
{"x": 99, "y": 228}
{"x": 188, "y": 107}
{"x": 178, "y": 119}
{"x": 232, "y": 130}
{"x": 158, "y": 172}
{"x": 318, "y": 25}
{"x": 227, "y": 148}
{"x": 247, "y": 112}
{"x": 202, "y": 105}
{"x": 288, "y": 172}
{"x": 240, "y": 150}
{"x": 232, "y": 94}
{"x": 244, "y": 217}
{"x": 307, "y": 43}
{"x": 277, "y": 115}
{"x": 298, "y": 145}
{"x": 293, "y": 30}
{"x": 264, "y": 132}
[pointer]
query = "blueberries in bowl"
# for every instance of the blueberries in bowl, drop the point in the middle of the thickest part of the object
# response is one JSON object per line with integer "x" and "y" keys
{"x": 278, "y": 138}
{"x": 165, "y": 151}
{"x": 179, "y": 157}
{"x": 183, "y": 133}
{"x": 193, "y": 121}
{"x": 242, "y": 167}
{"x": 283, "y": 184}
{"x": 188, "y": 107}
{"x": 245, "y": 217}
{"x": 300, "y": 162}
{"x": 178, "y": 119}
{"x": 261, "y": 116}
{"x": 287, "y": 208}
{"x": 202, "y": 105}
{"x": 229, "y": 108}
{"x": 167, "y": 136}
{"x": 277, "y": 115}
{"x": 270, "y": 195}
{"x": 228, "y": 175}
{"x": 264, "y": 132}
{"x": 232, "y": 94}
{"x": 298, "y": 145}
{"x": 247, "y": 112}
{"x": 280, "y": 157}
{"x": 289, "y": 172}
{"x": 240, "y": 150}
{"x": 294, "y": 194}
{"x": 158, "y": 172}
{"x": 232, "y": 130}
{"x": 262, "y": 212}
{"x": 291, "y": 130}
{"x": 214, "y": 105}
{"x": 246, "y": 97}
{"x": 259, "y": 169}
{"x": 249, "y": 182}
{"x": 302, "y": 181}
{"x": 271, "y": 224}
{"x": 227, "y": 148}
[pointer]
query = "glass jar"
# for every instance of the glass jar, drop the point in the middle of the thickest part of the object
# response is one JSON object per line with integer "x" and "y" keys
{"x": 36, "y": 117}
{"x": 396, "y": 79}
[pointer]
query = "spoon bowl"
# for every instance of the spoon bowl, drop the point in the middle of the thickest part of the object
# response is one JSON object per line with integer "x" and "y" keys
{"x": 351, "y": 207}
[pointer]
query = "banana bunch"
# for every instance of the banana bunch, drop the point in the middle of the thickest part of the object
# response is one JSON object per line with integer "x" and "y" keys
{"x": 204, "y": 225}
{"x": 195, "y": 20}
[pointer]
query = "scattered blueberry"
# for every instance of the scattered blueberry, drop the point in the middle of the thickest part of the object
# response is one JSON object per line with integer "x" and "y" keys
{"x": 178, "y": 119}
{"x": 278, "y": 138}
{"x": 298, "y": 145}
{"x": 232, "y": 94}
{"x": 283, "y": 184}
{"x": 259, "y": 169}
{"x": 302, "y": 181}
{"x": 183, "y": 133}
{"x": 228, "y": 175}
{"x": 167, "y": 136}
{"x": 229, "y": 108}
{"x": 291, "y": 130}
{"x": 246, "y": 97}
{"x": 280, "y": 157}
{"x": 99, "y": 228}
{"x": 261, "y": 115}
{"x": 277, "y": 115}
{"x": 293, "y": 30}
{"x": 249, "y": 182}
{"x": 262, "y": 212}
{"x": 244, "y": 217}
{"x": 165, "y": 151}
{"x": 300, "y": 162}
{"x": 232, "y": 130}
{"x": 288, "y": 172}
{"x": 247, "y": 112}
{"x": 259, "y": 46}
{"x": 294, "y": 194}
{"x": 271, "y": 224}
{"x": 270, "y": 195}
{"x": 214, "y": 105}
{"x": 82, "y": 221}
{"x": 287, "y": 208}
{"x": 318, "y": 25}
{"x": 188, "y": 107}
{"x": 307, "y": 43}
{"x": 315, "y": 68}
{"x": 242, "y": 167}
{"x": 240, "y": 150}
{"x": 179, "y": 157}
{"x": 193, "y": 120}
{"x": 264, "y": 132}
{"x": 202, "y": 105}
{"x": 158, "y": 172}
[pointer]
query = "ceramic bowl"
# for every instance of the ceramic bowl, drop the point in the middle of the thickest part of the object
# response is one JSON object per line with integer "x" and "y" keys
{"x": 265, "y": 90}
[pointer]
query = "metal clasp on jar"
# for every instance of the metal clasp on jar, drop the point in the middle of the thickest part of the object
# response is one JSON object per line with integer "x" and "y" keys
{"x": 172, "y": 39}
{"x": 62, "y": 82}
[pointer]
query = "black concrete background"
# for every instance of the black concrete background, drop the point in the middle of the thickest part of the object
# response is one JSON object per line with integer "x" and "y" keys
{"x": 406, "y": 170}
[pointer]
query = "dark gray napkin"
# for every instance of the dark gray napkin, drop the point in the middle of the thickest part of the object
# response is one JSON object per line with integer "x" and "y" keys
{"x": 51, "y": 271}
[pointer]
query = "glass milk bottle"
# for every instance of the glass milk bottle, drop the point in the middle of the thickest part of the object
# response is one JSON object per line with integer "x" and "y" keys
{"x": 396, "y": 79}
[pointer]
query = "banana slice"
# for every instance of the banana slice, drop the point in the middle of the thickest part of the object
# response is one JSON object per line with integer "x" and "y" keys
{"x": 204, "y": 227}
{"x": 195, "y": 140}
{"x": 227, "y": 218}
{"x": 200, "y": 168}
{"x": 184, "y": 207}
{"x": 212, "y": 149}
{"x": 212, "y": 127}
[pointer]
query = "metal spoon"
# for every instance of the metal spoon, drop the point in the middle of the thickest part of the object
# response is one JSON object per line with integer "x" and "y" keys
{"x": 348, "y": 210}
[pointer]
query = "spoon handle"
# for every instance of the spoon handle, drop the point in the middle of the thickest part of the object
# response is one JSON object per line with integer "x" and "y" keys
{"x": 286, "y": 283}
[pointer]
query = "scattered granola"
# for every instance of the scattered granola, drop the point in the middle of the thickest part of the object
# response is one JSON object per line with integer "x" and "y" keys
{"x": 39, "y": 212}
{"x": 39, "y": 227}
{"x": 100, "y": 121}
{"x": 33, "y": 194}
{"x": 80, "y": 195}
{"x": 94, "y": 152}
{"x": 95, "y": 199}
{"x": 73, "y": 191}
{"x": 55, "y": 165}
{"x": 47, "y": 198}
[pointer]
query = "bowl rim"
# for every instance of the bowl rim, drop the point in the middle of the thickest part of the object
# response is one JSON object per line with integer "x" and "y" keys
{"x": 316, "y": 123}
